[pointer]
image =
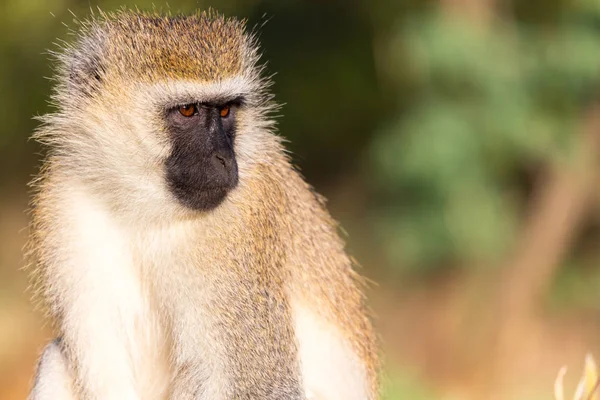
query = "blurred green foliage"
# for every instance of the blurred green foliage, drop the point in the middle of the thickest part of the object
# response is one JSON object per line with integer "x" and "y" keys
{"x": 488, "y": 102}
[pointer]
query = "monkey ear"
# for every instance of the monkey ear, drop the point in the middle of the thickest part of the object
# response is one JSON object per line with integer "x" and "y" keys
{"x": 84, "y": 70}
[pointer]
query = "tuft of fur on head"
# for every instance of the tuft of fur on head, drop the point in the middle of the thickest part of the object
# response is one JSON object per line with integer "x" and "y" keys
{"x": 126, "y": 45}
{"x": 115, "y": 81}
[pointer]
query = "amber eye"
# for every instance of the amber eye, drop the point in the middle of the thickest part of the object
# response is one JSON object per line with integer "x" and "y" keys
{"x": 224, "y": 111}
{"x": 188, "y": 110}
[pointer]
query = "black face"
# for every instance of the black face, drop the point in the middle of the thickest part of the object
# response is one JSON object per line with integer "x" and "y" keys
{"x": 201, "y": 168}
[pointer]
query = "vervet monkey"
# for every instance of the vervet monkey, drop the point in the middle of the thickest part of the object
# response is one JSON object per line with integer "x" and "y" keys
{"x": 178, "y": 251}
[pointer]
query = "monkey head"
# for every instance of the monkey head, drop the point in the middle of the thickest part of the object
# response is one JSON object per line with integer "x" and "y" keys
{"x": 178, "y": 101}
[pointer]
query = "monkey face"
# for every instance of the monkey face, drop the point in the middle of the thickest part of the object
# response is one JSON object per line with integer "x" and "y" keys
{"x": 201, "y": 168}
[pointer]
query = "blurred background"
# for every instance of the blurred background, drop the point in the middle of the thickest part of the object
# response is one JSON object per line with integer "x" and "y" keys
{"x": 458, "y": 143}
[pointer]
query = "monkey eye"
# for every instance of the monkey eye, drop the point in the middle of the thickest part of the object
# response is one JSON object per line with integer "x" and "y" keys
{"x": 188, "y": 110}
{"x": 224, "y": 111}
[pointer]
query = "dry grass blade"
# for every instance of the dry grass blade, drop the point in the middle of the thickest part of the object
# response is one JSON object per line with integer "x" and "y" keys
{"x": 588, "y": 385}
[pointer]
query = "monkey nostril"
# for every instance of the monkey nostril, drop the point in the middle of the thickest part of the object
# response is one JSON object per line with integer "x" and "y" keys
{"x": 221, "y": 160}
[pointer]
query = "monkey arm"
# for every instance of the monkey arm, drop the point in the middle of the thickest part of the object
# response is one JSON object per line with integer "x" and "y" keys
{"x": 95, "y": 291}
{"x": 53, "y": 380}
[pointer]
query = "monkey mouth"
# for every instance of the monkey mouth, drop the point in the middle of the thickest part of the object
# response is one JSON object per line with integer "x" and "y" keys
{"x": 201, "y": 186}
{"x": 204, "y": 199}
